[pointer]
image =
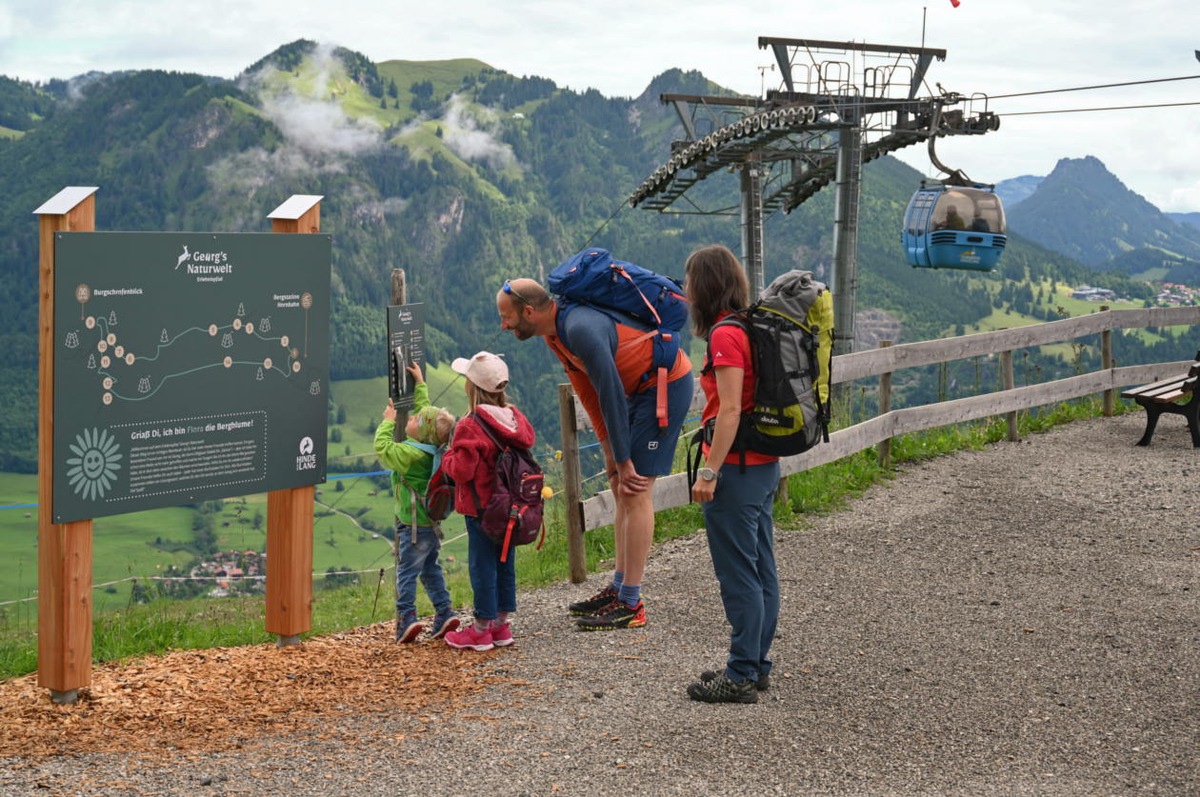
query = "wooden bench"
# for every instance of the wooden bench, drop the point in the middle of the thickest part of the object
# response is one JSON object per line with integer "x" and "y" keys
{"x": 1160, "y": 397}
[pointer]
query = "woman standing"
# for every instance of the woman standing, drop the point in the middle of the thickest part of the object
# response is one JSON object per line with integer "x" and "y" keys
{"x": 738, "y": 502}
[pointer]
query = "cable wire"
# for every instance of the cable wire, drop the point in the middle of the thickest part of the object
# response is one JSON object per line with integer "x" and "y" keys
{"x": 1106, "y": 108}
{"x": 624, "y": 203}
{"x": 1089, "y": 88}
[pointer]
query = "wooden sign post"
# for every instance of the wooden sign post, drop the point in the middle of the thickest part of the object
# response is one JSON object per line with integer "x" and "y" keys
{"x": 290, "y": 512}
{"x": 64, "y": 549}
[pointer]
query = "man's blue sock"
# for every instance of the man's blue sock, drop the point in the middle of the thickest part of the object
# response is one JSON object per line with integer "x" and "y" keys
{"x": 618, "y": 580}
{"x": 630, "y": 594}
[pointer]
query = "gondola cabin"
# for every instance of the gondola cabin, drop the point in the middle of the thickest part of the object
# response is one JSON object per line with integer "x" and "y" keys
{"x": 954, "y": 226}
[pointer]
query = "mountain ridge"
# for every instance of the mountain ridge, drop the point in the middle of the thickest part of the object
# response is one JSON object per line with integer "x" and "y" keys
{"x": 462, "y": 178}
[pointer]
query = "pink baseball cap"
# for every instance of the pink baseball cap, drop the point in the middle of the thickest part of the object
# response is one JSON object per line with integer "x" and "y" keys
{"x": 485, "y": 370}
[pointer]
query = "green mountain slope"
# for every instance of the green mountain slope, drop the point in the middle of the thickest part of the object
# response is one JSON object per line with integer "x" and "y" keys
{"x": 462, "y": 175}
{"x": 1082, "y": 211}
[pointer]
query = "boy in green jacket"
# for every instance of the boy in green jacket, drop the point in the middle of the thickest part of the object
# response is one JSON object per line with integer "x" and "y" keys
{"x": 417, "y": 538}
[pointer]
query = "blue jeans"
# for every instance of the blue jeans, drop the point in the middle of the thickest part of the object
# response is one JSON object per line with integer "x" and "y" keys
{"x": 739, "y": 523}
{"x": 493, "y": 582}
{"x": 419, "y": 560}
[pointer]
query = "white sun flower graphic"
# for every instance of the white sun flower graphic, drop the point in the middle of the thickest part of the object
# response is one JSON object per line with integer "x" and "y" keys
{"x": 94, "y": 467}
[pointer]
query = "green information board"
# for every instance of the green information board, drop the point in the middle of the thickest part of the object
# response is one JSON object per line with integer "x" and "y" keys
{"x": 187, "y": 367}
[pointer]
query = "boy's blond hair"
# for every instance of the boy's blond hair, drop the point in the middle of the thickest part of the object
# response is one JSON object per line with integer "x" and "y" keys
{"x": 444, "y": 424}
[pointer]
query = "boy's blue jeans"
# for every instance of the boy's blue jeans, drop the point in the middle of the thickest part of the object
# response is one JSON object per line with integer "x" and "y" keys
{"x": 419, "y": 560}
{"x": 493, "y": 582}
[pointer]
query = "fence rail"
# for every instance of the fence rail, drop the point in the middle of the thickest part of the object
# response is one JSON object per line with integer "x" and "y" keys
{"x": 672, "y": 491}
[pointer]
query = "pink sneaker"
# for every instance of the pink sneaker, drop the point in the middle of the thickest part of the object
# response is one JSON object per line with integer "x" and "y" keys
{"x": 469, "y": 638}
{"x": 502, "y": 635}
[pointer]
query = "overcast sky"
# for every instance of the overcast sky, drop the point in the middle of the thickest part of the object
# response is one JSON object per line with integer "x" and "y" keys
{"x": 994, "y": 47}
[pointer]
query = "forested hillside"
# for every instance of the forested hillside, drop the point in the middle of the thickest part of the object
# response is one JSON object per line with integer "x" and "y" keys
{"x": 1083, "y": 211}
{"x": 458, "y": 173}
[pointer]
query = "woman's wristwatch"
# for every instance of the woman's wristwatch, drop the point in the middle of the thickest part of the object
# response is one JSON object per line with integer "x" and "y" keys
{"x": 708, "y": 474}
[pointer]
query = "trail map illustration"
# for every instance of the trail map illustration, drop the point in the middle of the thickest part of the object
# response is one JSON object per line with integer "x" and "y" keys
{"x": 187, "y": 367}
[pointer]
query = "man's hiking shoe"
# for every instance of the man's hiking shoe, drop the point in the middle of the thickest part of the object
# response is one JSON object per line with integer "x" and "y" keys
{"x": 444, "y": 624}
{"x": 722, "y": 690}
{"x": 408, "y": 629}
{"x": 595, "y": 604}
{"x": 618, "y": 616}
{"x": 502, "y": 635}
{"x": 470, "y": 639}
{"x": 762, "y": 684}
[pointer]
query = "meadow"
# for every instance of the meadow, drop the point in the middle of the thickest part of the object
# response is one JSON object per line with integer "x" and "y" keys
{"x": 123, "y": 629}
{"x": 353, "y": 511}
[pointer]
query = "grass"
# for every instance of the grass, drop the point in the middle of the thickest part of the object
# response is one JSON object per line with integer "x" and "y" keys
{"x": 125, "y": 630}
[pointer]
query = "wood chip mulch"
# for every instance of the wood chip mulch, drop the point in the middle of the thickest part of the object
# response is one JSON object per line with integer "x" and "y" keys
{"x": 224, "y": 698}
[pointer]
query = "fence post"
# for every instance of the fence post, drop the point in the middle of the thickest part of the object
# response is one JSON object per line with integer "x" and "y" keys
{"x": 64, "y": 549}
{"x": 290, "y": 511}
{"x": 1006, "y": 368}
{"x": 885, "y": 406}
{"x": 572, "y": 484}
{"x": 1106, "y": 362}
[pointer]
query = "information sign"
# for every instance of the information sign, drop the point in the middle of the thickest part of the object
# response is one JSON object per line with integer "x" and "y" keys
{"x": 187, "y": 367}
{"x": 406, "y": 345}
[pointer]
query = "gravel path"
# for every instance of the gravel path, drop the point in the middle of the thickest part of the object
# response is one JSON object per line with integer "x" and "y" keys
{"x": 1023, "y": 620}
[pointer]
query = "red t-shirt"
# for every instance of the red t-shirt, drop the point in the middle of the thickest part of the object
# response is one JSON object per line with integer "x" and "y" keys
{"x": 730, "y": 348}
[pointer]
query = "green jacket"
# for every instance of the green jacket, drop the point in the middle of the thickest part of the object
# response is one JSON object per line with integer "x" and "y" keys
{"x": 411, "y": 467}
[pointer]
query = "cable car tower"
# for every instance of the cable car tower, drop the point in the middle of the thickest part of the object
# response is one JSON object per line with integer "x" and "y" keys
{"x": 839, "y": 105}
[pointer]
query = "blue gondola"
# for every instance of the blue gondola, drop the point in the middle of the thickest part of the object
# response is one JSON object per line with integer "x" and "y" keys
{"x": 954, "y": 226}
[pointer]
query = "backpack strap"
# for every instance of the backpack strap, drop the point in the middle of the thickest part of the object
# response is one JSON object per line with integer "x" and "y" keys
{"x": 705, "y": 433}
{"x": 414, "y": 494}
{"x": 482, "y": 424}
{"x": 512, "y": 518}
{"x": 658, "y": 373}
{"x": 737, "y": 319}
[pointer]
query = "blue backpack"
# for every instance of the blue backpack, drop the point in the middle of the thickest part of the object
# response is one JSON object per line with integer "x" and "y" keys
{"x": 631, "y": 295}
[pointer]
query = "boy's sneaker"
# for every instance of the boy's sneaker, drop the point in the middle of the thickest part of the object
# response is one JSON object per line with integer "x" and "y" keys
{"x": 502, "y": 635}
{"x": 595, "y": 604}
{"x": 444, "y": 624}
{"x": 762, "y": 684}
{"x": 470, "y": 639}
{"x": 722, "y": 690}
{"x": 408, "y": 628}
{"x": 617, "y": 616}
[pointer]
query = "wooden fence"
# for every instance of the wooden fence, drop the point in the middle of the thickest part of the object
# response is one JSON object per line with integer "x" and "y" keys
{"x": 672, "y": 491}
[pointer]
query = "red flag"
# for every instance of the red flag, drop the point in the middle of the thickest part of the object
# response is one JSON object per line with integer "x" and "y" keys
{"x": 954, "y": 3}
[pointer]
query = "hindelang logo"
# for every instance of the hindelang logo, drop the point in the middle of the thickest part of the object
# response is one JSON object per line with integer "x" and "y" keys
{"x": 307, "y": 459}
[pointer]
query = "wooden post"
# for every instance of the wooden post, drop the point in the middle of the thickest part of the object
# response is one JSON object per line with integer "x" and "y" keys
{"x": 1006, "y": 368}
{"x": 1106, "y": 362}
{"x": 572, "y": 484}
{"x": 64, "y": 550}
{"x": 290, "y": 512}
{"x": 885, "y": 406}
{"x": 399, "y": 297}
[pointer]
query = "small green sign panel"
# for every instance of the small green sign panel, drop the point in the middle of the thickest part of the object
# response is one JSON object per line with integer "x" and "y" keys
{"x": 187, "y": 367}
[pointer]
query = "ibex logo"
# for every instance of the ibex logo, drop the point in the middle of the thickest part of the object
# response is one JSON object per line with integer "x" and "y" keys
{"x": 307, "y": 460}
{"x": 205, "y": 265}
